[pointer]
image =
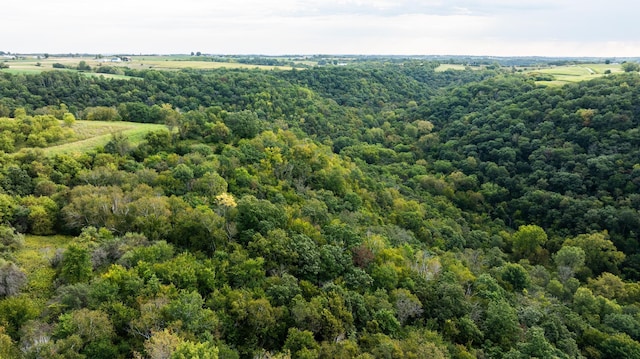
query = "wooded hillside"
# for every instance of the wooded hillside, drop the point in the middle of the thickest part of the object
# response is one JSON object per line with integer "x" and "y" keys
{"x": 376, "y": 210}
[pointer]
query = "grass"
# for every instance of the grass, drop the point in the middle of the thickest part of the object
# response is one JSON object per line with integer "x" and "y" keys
{"x": 561, "y": 74}
{"x": 166, "y": 64}
{"x": 109, "y": 76}
{"x": 22, "y": 71}
{"x": 92, "y": 134}
{"x": 34, "y": 258}
{"x": 34, "y": 65}
{"x": 445, "y": 67}
{"x": 575, "y": 73}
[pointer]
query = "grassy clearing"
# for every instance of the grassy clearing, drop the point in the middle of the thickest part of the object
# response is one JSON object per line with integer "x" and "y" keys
{"x": 110, "y": 76}
{"x": 34, "y": 259}
{"x": 22, "y": 71}
{"x": 575, "y": 73}
{"x": 91, "y": 134}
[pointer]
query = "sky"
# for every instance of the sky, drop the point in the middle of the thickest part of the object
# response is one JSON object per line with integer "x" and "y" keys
{"x": 304, "y": 27}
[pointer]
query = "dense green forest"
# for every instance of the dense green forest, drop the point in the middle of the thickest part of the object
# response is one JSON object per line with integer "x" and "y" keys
{"x": 376, "y": 210}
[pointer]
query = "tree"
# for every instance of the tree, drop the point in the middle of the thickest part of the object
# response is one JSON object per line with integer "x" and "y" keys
{"x": 623, "y": 323}
{"x": 101, "y": 113}
{"x": 385, "y": 321}
{"x": 186, "y": 312}
{"x": 515, "y": 276}
{"x": 97, "y": 206}
{"x": 299, "y": 340}
{"x": 586, "y": 304}
{"x": 620, "y": 346}
{"x": 205, "y": 229}
{"x": 82, "y": 66}
{"x": 334, "y": 261}
{"x": 536, "y": 345}
{"x": 630, "y": 67}
{"x": 258, "y": 215}
{"x": 184, "y": 174}
{"x": 443, "y": 298}
{"x": 118, "y": 144}
{"x": 11, "y": 279}
{"x": 167, "y": 115}
{"x": 7, "y": 347}
{"x": 407, "y": 305}
{"x": 90, "y": 325}
{"x": 568, "y": 259}
{"x": 609, "y": 286}
{"x": 135, "y": 112}
{"x": 10, "y": 240}
{"x": 191, "y": 350}
{"x": 243, "y": 124}
{"x": 16, "y": 181}
{"x": 85, "y": 332}
{"x": 69, "y": 119}
{"x": 16, "y": 311}
{"x": 527, "y": 241}
{"x": 151, "y": 216}
{"x": 601, "y": 255}
{"x": 76, "y": 265}
{"x": 42, "y": 214}
{"x": 161, "y": 344}
{"x": 160, "y": 140}
{"x": 501, "y": 324}
{"x": 211, "y": 184}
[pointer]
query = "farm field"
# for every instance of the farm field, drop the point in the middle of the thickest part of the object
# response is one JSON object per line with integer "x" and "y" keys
{"x": 31, "y": 65}
{"x": 575, "y": 73}
{"x": 91, "y": 134}
{"x": 164, "y": 63}
{"x": 561, "y": 74}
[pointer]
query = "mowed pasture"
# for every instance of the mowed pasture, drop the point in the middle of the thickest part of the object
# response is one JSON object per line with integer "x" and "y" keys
{"x": 561, "y": 74}
{"x": 574, "y": 73}
{"x": 92, "y": 134}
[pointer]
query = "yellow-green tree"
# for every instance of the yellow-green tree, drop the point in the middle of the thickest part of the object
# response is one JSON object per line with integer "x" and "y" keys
{"x": 528, "y": 241}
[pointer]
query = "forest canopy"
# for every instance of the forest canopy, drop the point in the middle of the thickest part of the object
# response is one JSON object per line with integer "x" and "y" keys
{"x": 381, "y": 209}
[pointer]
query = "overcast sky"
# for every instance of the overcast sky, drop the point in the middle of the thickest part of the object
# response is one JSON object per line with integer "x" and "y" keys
{"x": 270, "y": 27}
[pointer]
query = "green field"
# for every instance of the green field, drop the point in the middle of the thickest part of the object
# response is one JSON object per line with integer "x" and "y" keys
{"x": 30, "y": 65}
{"x": 574, "y": 73}
{"x": 561, "y": 74}
{"x": 91, "y": 134}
